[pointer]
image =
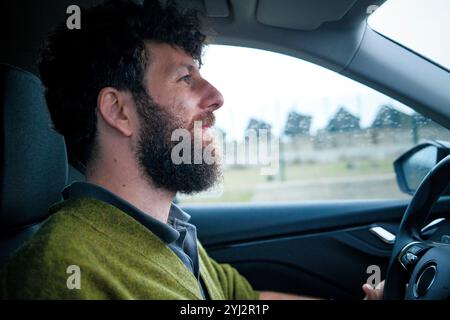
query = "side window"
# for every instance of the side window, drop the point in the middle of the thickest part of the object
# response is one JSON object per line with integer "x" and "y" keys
{"x": 293, "y": 131}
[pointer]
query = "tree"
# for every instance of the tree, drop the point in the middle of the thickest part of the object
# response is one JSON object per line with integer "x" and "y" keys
{"x": 343, "y": 121}
{"x": 297, "y": 124}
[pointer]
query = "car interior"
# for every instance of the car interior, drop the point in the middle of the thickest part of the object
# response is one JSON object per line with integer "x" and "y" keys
{"x": 315, "y": 248}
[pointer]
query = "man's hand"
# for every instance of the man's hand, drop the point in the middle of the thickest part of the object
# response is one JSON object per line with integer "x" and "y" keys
{"x": 271, "y": 295}
{"x": 373, "y": 293}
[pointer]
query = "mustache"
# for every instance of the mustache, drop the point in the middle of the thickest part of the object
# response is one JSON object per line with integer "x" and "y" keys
{"x": 208, "y": 119}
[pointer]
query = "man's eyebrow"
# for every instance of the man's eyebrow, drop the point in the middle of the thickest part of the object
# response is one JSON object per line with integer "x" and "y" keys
{"x": 188, "y": 66}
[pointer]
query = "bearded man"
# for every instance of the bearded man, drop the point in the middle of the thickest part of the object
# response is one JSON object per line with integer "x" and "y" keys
{"x": 117, "y": 89}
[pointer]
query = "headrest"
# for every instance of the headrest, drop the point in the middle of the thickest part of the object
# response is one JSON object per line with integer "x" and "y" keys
{"x": 33, "y": 155}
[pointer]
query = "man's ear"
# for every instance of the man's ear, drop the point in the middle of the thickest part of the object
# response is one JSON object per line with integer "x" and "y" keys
{"x": 114, "y": 108}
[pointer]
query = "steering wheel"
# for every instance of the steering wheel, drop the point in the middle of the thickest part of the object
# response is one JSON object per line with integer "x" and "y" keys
{"x": 424, "y": 265}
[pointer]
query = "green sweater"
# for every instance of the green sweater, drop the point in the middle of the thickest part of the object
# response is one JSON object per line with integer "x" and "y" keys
{"x": 118, "y": 258}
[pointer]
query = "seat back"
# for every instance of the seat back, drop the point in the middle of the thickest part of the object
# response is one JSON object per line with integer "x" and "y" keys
{"x": 33, "y": 167}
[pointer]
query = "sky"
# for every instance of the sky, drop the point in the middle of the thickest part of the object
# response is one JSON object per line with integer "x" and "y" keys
{"x": 267, "y": 85}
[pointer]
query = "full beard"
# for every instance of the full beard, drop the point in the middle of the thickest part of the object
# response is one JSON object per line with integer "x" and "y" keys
{"x": 154, "y": 151}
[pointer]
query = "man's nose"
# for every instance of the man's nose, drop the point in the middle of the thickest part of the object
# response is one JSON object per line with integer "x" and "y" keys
{"x": 213, "y": 99}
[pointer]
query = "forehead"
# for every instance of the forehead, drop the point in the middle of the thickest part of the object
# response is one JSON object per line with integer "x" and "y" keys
{"x": 167, "y": 59}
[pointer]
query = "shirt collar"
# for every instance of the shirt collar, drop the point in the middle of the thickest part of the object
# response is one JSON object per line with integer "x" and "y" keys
{"x": 165, "y": 232}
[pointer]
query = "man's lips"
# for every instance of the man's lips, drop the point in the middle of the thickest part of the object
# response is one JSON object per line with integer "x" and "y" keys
{"x": 206, "y": 133}
{"x": 207, "y": 121}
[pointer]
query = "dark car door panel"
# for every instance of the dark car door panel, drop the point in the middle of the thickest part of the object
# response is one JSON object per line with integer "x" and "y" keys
{"x": 319, "y": 249}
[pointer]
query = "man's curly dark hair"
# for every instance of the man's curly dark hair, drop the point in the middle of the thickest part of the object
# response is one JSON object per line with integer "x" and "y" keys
{"x": 108, "y": 50}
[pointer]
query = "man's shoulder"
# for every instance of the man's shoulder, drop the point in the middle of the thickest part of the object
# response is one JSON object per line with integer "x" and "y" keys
{"x": 65, "y": 228}
{"x": 44, "y": 260}
{"x": 64, "y": 233}
{"x": 73, "y": 228}
{"x": 74, "y": 236}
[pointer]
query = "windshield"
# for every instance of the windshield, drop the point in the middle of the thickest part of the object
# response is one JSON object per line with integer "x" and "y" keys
{"x": 419, "y": 25}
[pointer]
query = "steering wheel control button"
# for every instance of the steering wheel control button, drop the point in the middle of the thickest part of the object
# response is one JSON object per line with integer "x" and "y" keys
{"x": 424, "y": 281}
{"x": 408, "y": 260}
{"x": 411, "y": 254}
{"x": 416, "y": 249}
{"x": 411, "y": 258}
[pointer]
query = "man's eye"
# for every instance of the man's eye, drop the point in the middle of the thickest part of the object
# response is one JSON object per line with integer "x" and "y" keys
{"x": 186, "y": 78}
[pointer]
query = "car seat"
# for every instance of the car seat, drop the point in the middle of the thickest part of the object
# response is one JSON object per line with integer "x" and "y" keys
{"x": 33, "y": 159}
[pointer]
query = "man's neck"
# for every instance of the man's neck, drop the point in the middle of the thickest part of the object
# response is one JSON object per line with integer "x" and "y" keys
{"x": 134, "y": 188}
